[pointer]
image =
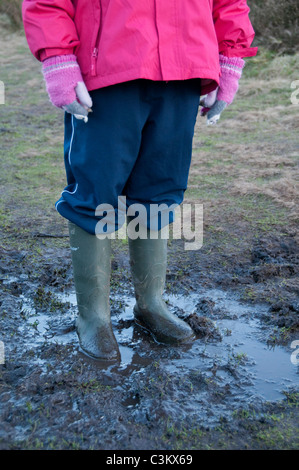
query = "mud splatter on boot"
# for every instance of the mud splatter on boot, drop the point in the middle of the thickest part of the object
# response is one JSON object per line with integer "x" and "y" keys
{"x": 91, "y": 258}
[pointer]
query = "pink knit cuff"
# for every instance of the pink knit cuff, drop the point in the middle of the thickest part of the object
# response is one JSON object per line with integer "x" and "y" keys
{"x": 231, "y": 65}
{"x": 62, "y": 74}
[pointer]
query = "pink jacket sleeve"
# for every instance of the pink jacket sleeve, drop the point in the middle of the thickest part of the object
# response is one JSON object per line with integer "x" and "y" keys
{"x": 49, "y": 27}
{"x": 233, "y": 28}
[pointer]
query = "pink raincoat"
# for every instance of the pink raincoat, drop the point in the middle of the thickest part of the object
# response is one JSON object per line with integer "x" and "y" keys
{"x": 121, "y": 40}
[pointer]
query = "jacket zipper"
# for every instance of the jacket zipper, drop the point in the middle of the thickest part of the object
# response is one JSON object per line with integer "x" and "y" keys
{"x": 157, "y": 29}
{"x": 95, "y": 50}
{"x": 94, "y": 61}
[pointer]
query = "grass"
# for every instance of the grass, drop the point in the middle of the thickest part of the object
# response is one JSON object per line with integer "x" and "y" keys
{"x": 274, "y": 428}
{"x": 244, "y": 170}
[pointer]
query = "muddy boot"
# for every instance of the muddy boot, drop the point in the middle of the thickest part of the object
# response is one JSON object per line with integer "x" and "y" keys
{"x": 148, "y": 259}
{"x": 92, "y": 266}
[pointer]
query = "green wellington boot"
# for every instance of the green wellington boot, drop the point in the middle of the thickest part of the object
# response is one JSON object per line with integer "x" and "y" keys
{"x": 148, "y": 259}
{"x": 91, "y": 258}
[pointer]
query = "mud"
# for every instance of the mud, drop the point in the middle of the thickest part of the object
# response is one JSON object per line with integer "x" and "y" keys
{"x": 221, "y": 391}
{"x": 236, "y": 385}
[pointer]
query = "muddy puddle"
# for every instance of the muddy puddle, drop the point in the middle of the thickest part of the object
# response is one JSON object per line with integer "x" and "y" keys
{"x": 231, "y": 352}
{"x": 154, "y": 389}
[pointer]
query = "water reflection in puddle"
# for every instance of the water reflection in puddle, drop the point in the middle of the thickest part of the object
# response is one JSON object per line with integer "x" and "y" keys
{"x": 262, "y": 372}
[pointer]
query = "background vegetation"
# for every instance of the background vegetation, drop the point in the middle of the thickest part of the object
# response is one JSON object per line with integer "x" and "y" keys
{"x": 276, "y": 24}
{"x": 13, "y": 10}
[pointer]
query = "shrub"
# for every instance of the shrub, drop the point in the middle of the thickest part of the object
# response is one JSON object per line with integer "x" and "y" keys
{"x": 13, "y": 10}
{"x": 276, "y": 24}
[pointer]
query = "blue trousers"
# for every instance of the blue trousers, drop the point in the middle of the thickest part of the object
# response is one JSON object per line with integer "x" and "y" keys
{"x": 137, "y": 144}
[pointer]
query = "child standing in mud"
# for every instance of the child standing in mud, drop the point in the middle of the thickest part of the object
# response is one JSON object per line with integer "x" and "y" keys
{"x": 140, "y": 67}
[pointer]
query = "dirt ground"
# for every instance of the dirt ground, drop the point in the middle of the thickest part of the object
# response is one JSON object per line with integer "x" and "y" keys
{"x": 236, "y": 385}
